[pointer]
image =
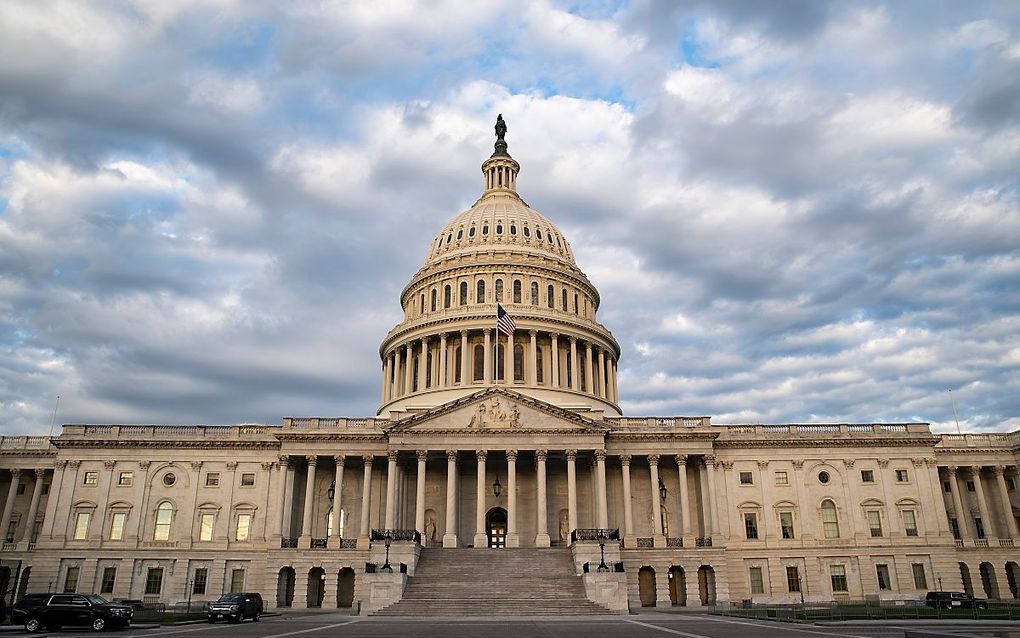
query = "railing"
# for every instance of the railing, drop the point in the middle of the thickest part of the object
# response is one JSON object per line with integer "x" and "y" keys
{"x": 959, "y": 542}
{"x": 24, "y": 442}
{"x": 288, "y": 543}
{"x": 1005, "y": 542}
{"x": 990, "y": 439}
{"x": 319, "y": 423}
{"x": 660, "y": 422}
{"x": 173, "y": 432}
{"x": 674, "y": 542}
{"x": 829, "y": 428}
{"x": 594, "y": 535}
{"x": 159, "y": 544}
{"x": 645, "y": 542}
{"x": 399, "y": 535}
{"x": 317, "y": 543}
{"x": 348, "y": 543}
{"x": 980, "y": 542}
{"x": 703, "y": 541}
{"x": 8, "y": 547}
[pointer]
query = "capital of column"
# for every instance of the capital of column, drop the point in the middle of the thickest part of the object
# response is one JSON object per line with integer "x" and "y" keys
{"x": 798, "y": 464}
{"x": 763, "y": 465}
{"x": 482, "y": 454}
{"x": 953, "y": 470}
{"x": 16, "y": 472}
{"x": 849, "y": 463}
{"x": 283, "y": 460}
{"x": 112, "y": 464}
{"x": 312, "y": 459}
{"x": 653, "y": 459}
{"x": 268, "y": 465}
{"x": 40, "y": 472}
{"x": 391, "y": 455}
{"x": 59, "y": 464}
{"x": 451, "y": 455}
{"x": 232, "y": 465}
{"x": 142, "y": 464}
{"x": 442, "y": 337}
{"x": 998, "y": 470}
{"x": 368, "y": 459}
{"x": 625, "y": 459}
{"x": 540, "y": 455}
{"x": 600, "y": 455}
{"x": 976, "y": 470}
{"x": 726, "y": 465}
{"x": 571, "y": 455}
{"x": 511, "y": 455}
{"x": 554, "y": 335}
{"x": 533, "y": 333}
{"x": 710, "y": 460}
{"x": 573, "y": 340}
{"x": 681, "y": 459}
{"x": 340, "y": 459}
{"x": 883, "y": 463}
{"x": 195, "y": 465}
{"x": 423, "y": 455}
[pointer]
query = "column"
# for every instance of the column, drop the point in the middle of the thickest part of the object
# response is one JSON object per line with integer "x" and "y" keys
{"x": 589, "y": 370}
{"x": 653, "y": 474}
{"x": 409, "y": 369}
{"x": 612, "y": 381}
{"x": 287, "y": 514}
{"x": 513, "y": 539}
{"x": 712, "y": 524}
{"x": 542, "y": 515}
{"x": 338, "y": 490}
{"x": 938, "y": 508}
{"x": 554, "y": 360}
{"x": 423, "y": 368}
{"x": 602, "y": 374}
{"x": 465, "y": 375}
{"x": 391, "y": 489}
{"x": 533, "y": 358}
{"x": 979, "y": 491}
{"x": 572, "y": 490}
{"x": 444, "y": 373}
{"x": 481, "y": 534}
{"x": 386, "y": 379}
{"x": 628, "y": 506}
{"x": 488, "y": 356}
{"x": 419, "y": 496}
{"x": 961, "y": 514}
{"x": 450, "y": 535}
{"x": 306, "y": 524}
{"x": 574, "y": 376}
{"x": 684, "y": 499}
{"x": 395, "y": 391}
{"x": 12, "y": 493}
{"x": 600, "y": 487}
{"x": 366, "y": 499}
{"x": 33, "y": 508}
{"x": 1007, "y": 506}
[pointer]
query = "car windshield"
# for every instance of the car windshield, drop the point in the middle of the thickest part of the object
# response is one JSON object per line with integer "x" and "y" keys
{"x": 231, "y": 598}
{"x": 97, "y": 600}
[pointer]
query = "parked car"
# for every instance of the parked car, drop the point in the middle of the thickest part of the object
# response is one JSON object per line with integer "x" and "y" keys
{"x": 236, "y": 607}
{"x": 954, "y": 599}
{"x": 53, "y": 611}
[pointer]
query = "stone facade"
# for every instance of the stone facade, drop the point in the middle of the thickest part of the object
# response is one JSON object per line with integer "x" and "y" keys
{"x": 530, "y": 452}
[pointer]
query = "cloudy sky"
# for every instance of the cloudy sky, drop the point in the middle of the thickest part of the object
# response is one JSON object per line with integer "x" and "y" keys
{"x": 795, "y": 211}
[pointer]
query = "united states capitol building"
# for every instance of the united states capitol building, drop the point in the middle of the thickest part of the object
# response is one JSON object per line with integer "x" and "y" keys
{"x": 510, "y": 453}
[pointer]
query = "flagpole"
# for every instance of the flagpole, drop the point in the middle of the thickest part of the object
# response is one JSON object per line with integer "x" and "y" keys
{"x": 495, "y": 373}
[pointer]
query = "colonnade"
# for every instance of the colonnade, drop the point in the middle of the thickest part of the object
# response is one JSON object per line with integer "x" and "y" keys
{"x": 39, "y": 475}
{"x": 981, "y": 527}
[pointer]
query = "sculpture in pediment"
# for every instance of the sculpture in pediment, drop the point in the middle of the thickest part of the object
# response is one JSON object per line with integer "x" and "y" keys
{"x": 492, "y": 414}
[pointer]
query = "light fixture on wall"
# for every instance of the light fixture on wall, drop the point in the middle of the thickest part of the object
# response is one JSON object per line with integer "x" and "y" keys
{"x": 662, "y": 489}
{"x": 497, "y": 489}
{"x": 331, "y": 491}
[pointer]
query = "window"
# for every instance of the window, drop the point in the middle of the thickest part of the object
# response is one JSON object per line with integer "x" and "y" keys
{"x": 837, "y": 573}
{"x": 200, "y": 579}
{"x": 1010, "y": 483}
{"x": 954, "y": 525}
{"x": 874, "y": 523}
{"x": 519, "y": 363}
{"x": 527, "y": 232}
{"x": 460, "y": 233}
{"x": 207, "y": 525}
{"x": 479, "y": 374}
{"x": 575, "y": 303}
{"x": 480, "y": 292}
{"x": 499, "y": 227}
{"x": 902, "y": 476}
{"x": 169, "y": 479}
{"x": 329, "y": 523}
{"x": 792, "y": 579}
{"x": 751, "y": 526}
{"x": 117, "y": 523}
{"x": 539, "y": 365}
{"x": 970, "y": 486}
{"x": 109, "y": 579}
{"x": 823, "y": 477}
{"x": 471, "y": 232}
{"x": 248, "y": 479}
{"x": 534, "y": 293}
{"x": 499, "y": 291}
{"x": 884, "y": 582}
{"x": 154, "y": 581}
{"x": 243, "y": 527}
{"x": 91, "y": 479}
{"x": 563, "y": 298}
{"x": 782, "y": 478}
{"x": 447, "y": 296}
{"x": 786, "y": 524}
{"x": 538, "y": 233}
{"x": 910, "y": 522}
{"x": 71, "y": 579}
{"x": 45, "y": 489}
{"x": 236, "y": 581}
{"x": 12, "y": 529}
{"x": 757, "y": 583}
{"x": 920, "y": 579}
{"x": 433, "y": 304}
{"x": 81, "y": 525}
{"x": 457, "y": 365}
{"x": 550, "y": 296}
{"x": 867, "y": 476}
{"x": 463, "y": 293}
{"x": 125, "y": 479}
{"x": 212, "y": 479}
{"x": 513, "y": 229}
{"x": 517, "y": 291}
{"x": 21, "y": 488}
{"x": 746, "y": 478}
{"x": 164, "y": 517}
{"x": 830, "y": 519}
{"x": 947, "y": 487}
{"x": 979, "y": 527}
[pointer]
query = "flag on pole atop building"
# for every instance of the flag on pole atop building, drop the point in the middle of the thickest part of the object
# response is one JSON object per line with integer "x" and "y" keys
{"x": 504, "y": 322}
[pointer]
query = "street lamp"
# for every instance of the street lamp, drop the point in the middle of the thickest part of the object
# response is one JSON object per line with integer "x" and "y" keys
{"x": 331, "y": 492}
{"x": 940, "y": 583}
{"x": 800, "y": 586}
{"x": 497, "y": 489}
{"x": 387, "y": 540}
{"x": 662, "y": 489}
{"x": 602, "y": 550}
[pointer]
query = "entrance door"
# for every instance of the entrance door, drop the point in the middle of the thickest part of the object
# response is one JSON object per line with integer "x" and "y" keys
{"x": 495, "y": 523}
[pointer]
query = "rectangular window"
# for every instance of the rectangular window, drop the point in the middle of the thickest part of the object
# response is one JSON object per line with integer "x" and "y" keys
{"x": 867, "y": 476}
{"x": 21, "y": 488}
{"x": 792, "y": 578}
{"x": 12, "y": 530}
{"x": 154, "y": 581}
{"x": 970, "y": 486}
{"x": 91, "y": 478}
{"x": 902, "y": 476}
{"x": 207, "y": 524}
{"x": 751, "y": 526}
{"x": 979, "y": 527}
{"x": 782, "y": 478}
{"x": 117, "y": 522}
{"x": 243, "y": 527}
{"x": 954, "y": 525}
{"x": 248, "y": 479}
{"x": 125, "y": 479}
{"x": 910, "y": 522}
{"x": 45, "y": 489}
{"x": 746, "y": 478}
{"x": 757, "y": 584}
{"x": 786, "y": 524}
{"x": 201, "y": 576}
{"x": 81, "y": 525}
{"x": 837, "y": 574}
{"x": 109, "y": 578}
{"x": 884, "y": 582}
{"x": 71, "y": 580}
{"x": 236, "y": 581}
{"x": 947, "y": 487}
{"x": 1010, "y": 483}
{"x": 875, "y": 523}
{"x": 212, "y": 479}
{"x": 920, "y": 579}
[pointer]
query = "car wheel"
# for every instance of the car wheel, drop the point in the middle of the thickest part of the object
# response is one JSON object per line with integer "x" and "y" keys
{"x": 99, "y": 624}
{"x": 32, "y": 625}
{"x": 258, "y": 616}
{"x": 982, "y": 606}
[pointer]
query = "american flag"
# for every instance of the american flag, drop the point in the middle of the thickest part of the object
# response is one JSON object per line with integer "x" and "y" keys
{"x": 504, "y": 322}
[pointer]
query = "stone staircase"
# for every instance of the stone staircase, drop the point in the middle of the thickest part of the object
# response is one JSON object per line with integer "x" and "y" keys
{"x": 494, "y": 582}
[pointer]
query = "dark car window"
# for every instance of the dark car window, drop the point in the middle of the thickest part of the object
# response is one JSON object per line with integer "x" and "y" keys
{"x": 231, "y": 598}
{"x": 97, "y": 600}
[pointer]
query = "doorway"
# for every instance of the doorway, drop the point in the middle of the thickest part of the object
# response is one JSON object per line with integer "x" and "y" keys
{"x": 495, "y": 524}
{"x": 345, "y": 588}
{"x": 646, "y": 586}
{"x": 285, "y": 587}
{"x": 316, "y": 586}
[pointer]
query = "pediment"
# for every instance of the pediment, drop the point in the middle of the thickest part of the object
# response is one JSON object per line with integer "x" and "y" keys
{"x": 497, "y": 411}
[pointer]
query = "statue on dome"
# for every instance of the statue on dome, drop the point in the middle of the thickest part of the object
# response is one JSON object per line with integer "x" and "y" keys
{"x": 500, "y": 127}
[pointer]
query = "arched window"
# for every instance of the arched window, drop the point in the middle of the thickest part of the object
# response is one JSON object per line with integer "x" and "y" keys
{"x": 563, "y": 298}
{"x": 527, "y": 232}
{"x": 570, "y": 372}
{"x": 449, "y": 238}
{"x": 485, "y": 229}
{"x": 550, "y": 296}
{"x": 428, "y": 369}
{"x": 330, "y": 520}
{"x": 513, "y": 229}
{"x": 433, "y": 300}
{"x": 471, "y": 232}
{"x": 502, "y": 362}
{"x": 499, "y": 291}
{"x": 499, "y": 229}
{"x": 164, "y": 518}
{"x": 447, "y": 296}
{"x": 479, "y": 366}
{"x": 538, "y": 233}
{"x": 830, "y": 520}
{"x": 456, "y": 365}
{"x": 534, "y": 293}
{"x": 517, "y": 291}
{"x": 421, "y": 307}
{"x": 460, "y": 233}
{"x": 538, "y": 365}
{"x": 463, "y": 293}
{"x": 581, "y": 380}
{"x": 518, "y": 363}
{"x": 575, "y": 303}
{"x": 480, "y": 292}
{"x": 414, "y": 374}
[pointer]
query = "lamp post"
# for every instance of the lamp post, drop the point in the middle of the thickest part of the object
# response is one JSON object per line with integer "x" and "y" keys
{"x": 387, "y": 540}
{"x": 940, "y": 583}
{"x": 662, "y": 489}
{"x": 602, "y": 550}
{"x": 497, "y": 489}
{"x": 190, "y": 591}
{"x": 800, "y": 586}
{"x": 331, "y": 492}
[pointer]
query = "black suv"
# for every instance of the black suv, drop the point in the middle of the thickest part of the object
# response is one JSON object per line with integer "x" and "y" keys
{"x": 236, "y": 607}
{"x": 53, "y": 611}
{"x": 951, "y": 599}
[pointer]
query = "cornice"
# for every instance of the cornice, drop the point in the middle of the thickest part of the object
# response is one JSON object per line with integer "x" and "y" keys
{"x": 149, "y": 443}
{"x": 618, "y": 436}
{"x": 319, "y": 435}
